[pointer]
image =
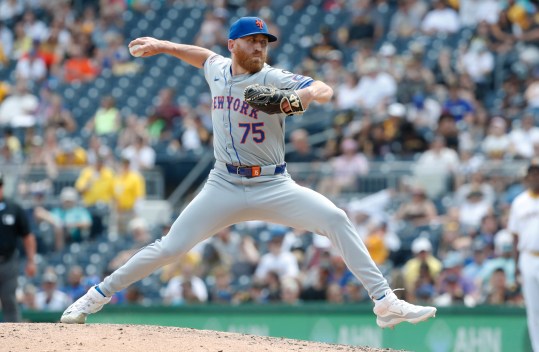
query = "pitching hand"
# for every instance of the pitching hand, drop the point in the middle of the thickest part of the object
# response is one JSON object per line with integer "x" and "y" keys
{"x": 149, "y": 46}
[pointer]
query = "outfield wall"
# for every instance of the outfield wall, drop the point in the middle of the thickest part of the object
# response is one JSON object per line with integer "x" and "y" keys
{"x": 459, "y": 329}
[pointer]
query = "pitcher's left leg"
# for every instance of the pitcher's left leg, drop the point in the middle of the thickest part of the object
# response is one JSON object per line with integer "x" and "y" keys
{"x": 283, "y": 201}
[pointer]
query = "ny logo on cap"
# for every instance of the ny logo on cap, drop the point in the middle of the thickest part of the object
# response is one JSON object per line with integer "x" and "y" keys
{"x": 259, "y": 23}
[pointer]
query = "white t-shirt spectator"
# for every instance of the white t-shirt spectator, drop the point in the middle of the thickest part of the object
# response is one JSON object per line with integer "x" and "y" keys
{"x": 478, "y": 62}
{"x": 444, "y": 21}
{"x": 33, "y": 69}
{"x": 140, "y": 159}
{"x": 470, "y": 214}
{"x": 523, "y": 141}
{"x": 373, "y": 90}
{"x": 284, "y": 264}
{"x": 6, "y": 41}
{"x": 174, "y": 290}
{"x": 472, "y": 12}
{"x": 495, "y": 146}
{"x": 57, "y": 302}
{"x": 18, "y": 110}
{"x": 10, "y": 9}
{"x": 348, "y": 97}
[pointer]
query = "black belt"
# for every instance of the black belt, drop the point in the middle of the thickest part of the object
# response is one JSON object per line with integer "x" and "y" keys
{"x": 255, "y": 171}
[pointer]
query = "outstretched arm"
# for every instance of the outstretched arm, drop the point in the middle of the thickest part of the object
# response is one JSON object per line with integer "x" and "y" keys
{"x": 318, "y": 91}
{"x": 193, "y": 55}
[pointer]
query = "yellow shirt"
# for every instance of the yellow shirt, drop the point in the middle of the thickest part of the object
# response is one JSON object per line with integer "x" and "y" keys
{"x": 77, "y": 158}
{"x": 95, "y": 186}
{"x": 128, "y": 188}
{"x": 377, "y": 249}
{"x": 410, "y": 270}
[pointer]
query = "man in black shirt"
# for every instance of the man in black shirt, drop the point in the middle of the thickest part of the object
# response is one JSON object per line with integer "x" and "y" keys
{"x": 13, "y": 224}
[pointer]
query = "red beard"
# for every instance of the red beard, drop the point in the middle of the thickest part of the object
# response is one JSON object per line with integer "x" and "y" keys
{"x": 249, "y": 63}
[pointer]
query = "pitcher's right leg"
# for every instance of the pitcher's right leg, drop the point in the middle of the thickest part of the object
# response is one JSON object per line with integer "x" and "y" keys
{"x": 218, "y": 205}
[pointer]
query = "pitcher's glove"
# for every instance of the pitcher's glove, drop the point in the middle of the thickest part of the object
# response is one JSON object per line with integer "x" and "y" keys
{"x": 270, "y": 99}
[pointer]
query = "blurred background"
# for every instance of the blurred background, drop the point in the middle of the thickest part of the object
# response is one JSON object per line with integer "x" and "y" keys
{"x": 424, "y": 145}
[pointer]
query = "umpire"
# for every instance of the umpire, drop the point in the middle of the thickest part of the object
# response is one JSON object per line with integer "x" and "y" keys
{"x": 13, "y": 224}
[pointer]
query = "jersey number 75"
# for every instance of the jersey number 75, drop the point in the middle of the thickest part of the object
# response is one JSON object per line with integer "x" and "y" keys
{"x": 255, "y": 129}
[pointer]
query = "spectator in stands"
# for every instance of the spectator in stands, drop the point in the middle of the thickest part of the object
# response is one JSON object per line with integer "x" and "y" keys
{"x": 479, "y": 257}
{"x": 532, "y": 97}
{"x": 6, "y": 44}
{"x": 363, "y": 27}
{"x": 323, "y": 43}
{"x": 283, "y": 263}
{"x": 473, "y": 209}
{"x": 31, "y": 66}
{"x": 106, "y": 120}
{"x": 186, "y": 288}
{"x": 141, "y": 156}
{"x": 478, "y": 62}
{"x": 212, "y": 30}
{"x": 221, "y": 292}
{"x": 376, "y": 88}
{"x": 193, "y": 133}
{"x": 27, "y": 297}
{"x": 376, "y": 246}
{"x": 18, "y": 109}
{"x": 96, "y": 185}
{"x": 74, "y": 287}
{"x": 407, "y": 20}
{"x": 422, "y": 250}
{"x": 139, "y": 232}
{"x": 435, "y": 167}
{"x": 425, "y": 286}
{"x": 128, "y": 135}
{"x": 43, "y": 151}
{"x": 302, "y": 151}
{"x": 58, "y": 117}
{"x": 419, "y": 211}
{"x": 456, "y": 104}
{"x": 223, "y": 249}
{"x": 50, "y": 298}
{"x": 290, "y": 291}
{"x": 11, "y": 9}
{"x": 347, "y": 93}
{"x": 97, "y": 147}
{"x": 70, "y": 154}
{"x": 22, "y": 41}
{"x": 129, "y": 193}
{"x": 473, "y": 12}
{"x": 503, "y": 247}
{"x": 440, "y": 19}
{"x": 424, "y": 112}
{"x": 54, "y": 48}
{"x": 71, "y": 221}
{"x": 161, "y": 120}
{"x": 523, "y": 138}
{"x": 78, "y": 68}
{"x": 453, "y": 287}
{"x": 334, "y": 294}
{"x": 499, "y": 291}
{"x": 346, "y": 170}
{"x": 496, "y": 144}
{"x": 34, "y": 28}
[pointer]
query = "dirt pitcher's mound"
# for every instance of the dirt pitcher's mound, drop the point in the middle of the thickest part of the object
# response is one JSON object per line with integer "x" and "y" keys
{"x": 132, "y": 338}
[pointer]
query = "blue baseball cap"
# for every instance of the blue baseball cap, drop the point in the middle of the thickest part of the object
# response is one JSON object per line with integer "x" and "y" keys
{"x": 246, "y": 26}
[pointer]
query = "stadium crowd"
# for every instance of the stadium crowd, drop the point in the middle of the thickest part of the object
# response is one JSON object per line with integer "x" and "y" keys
{"x": 451, "y": 88}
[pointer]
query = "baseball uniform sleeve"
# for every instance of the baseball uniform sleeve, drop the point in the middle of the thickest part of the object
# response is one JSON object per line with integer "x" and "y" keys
{"x": 285, "y": 79}
{"x": 512, "y": 223}
{"x": 213, "y": 67}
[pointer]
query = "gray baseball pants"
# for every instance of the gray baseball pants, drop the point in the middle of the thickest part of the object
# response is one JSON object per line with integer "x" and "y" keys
{"x": 228, "y": 199}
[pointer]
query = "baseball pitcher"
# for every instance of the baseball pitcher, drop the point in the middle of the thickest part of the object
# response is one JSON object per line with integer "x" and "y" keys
{"x": 251, "y": 101}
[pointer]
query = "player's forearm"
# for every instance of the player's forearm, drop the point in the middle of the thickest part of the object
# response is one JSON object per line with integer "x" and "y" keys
{"x": 29, "y": 243}
{"x": 318, "y": 91}
{"x": 191, "y": 54}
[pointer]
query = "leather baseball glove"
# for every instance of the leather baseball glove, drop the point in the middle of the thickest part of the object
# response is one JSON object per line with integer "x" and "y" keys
{"x": 271, "y": 99}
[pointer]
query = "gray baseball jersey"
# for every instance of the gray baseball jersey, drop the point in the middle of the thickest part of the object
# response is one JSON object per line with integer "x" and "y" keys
{"x": 249, "y": 137}
{"x": 244, "y": 135}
